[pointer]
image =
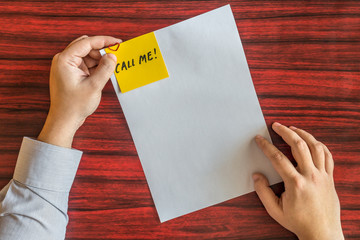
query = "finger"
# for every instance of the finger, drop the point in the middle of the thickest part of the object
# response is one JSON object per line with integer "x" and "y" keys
{"x": 279, "y": 161}
{"x": 90, "y": 62}
{"x": 267, "y": 197}
{"x": 299, "y": 148}
{"x": 103, "y": 71}
{"x": 95, "y": 54}
{"x": 316, "y": 147}
{"x": 329, "y": 161}
{"x": 74, "y": 41}
{"x": 83, "y": 47}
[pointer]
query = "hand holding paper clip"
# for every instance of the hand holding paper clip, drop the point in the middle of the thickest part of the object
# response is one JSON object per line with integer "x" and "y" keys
{"x": 309, "y": 207}
{"x": 77, "y": 77}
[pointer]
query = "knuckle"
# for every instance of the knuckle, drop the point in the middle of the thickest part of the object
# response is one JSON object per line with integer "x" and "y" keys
{"x": 315, "y": 178}
{"x": 60, "y": 58}
{"x": 318, "y": 147}
{"x": 261, "y": 142}
{"x": 276, "y": 155}
{"x": 298, "y": 182}
{"x": 56, "y": 57}
{"x": 329, "y": 154}
{"x": 299, "y": 143}
{"x": 327, "y": 151}
{"x": 293, "y": 174}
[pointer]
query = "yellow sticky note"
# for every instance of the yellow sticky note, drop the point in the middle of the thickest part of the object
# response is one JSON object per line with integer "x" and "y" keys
{"x": 139, "y": 62}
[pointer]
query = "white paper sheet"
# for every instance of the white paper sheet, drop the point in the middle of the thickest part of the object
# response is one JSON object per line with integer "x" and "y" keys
{"x": 194, "y": 130}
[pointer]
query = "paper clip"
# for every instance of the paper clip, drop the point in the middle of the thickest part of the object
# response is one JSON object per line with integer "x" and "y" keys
{"x": 115, "y": 45}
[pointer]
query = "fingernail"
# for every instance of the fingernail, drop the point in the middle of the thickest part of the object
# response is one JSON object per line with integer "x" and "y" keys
{"x": 118, "y": 40}
{"x": 276, "y": 124}
{"x": 112, "y": 56}
{"x": 292, "y": 128}
{"x": 255, "y": 177}
{"x": 258, "y": 137}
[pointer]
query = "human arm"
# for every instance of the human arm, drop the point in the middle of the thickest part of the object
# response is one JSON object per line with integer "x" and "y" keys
{"x": 33, "y": 205}
{"x": 309, "y": 206}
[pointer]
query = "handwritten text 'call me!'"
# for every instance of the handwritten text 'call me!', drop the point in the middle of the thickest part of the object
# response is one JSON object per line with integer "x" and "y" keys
{"x": 144, "y": 58}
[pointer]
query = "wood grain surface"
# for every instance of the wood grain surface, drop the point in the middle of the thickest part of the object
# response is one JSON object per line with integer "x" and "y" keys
{"x": 304, "y": 58}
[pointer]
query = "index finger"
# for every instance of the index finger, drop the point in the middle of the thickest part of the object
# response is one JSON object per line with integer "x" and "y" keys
{"x": 279, "y": 161}
{"x": 83, "y": 47}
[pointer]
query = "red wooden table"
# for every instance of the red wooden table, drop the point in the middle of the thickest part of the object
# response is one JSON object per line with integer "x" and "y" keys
{"x": 304, "y": 59}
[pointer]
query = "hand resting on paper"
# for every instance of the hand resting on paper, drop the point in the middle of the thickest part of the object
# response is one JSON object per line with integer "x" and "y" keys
{"x": 77, "y": 76}
{"x": 309, "y": 206}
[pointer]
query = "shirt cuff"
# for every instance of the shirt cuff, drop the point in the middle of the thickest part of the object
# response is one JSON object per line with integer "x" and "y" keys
{"x": 46, "y": 166}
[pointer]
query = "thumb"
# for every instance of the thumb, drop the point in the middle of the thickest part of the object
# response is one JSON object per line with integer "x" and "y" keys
{"x": 104, "y": 70}
{"x": 267, "y": 196}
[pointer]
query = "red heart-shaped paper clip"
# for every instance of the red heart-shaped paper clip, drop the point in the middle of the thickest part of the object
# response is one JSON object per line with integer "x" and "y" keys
{"x": 116, "y": 47}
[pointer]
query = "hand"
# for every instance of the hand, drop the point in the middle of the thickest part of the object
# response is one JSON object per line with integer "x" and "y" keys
{"x": 77, "y": 77}
{"x": 309, "y": 206}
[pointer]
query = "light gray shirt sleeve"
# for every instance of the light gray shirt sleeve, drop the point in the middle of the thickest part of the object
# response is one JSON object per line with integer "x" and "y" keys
{"x": 33, "y": 205}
